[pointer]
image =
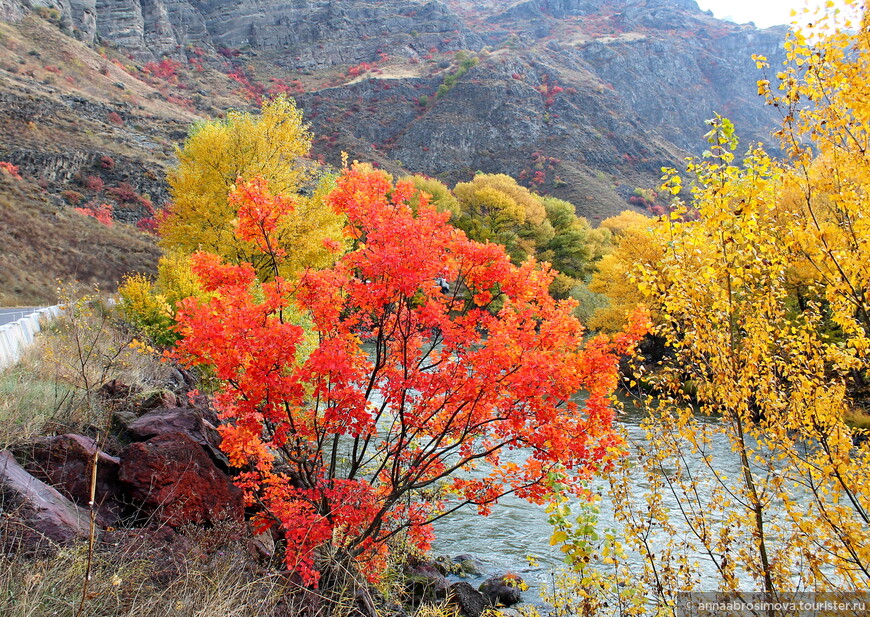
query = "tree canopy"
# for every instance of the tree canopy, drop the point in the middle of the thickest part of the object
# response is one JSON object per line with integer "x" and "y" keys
{"x": 219, "y": 153}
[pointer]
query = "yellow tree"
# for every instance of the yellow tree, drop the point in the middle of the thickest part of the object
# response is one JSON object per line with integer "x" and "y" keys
{"x": 219, "y": 153}
{"x": 494, "y": 208}
{"x": 439, "y": 193}
{"x": 764, "y": 303}
{"x": 631, "y": 234}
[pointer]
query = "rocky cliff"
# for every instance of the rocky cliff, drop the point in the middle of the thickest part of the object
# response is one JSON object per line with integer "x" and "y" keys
{"x": 582, "y": 99}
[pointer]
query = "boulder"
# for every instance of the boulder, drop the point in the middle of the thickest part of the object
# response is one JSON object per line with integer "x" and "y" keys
{"x": 157, "y": 398}
{"x": 36, "y": 518}
{"x": 190, "y": 422}
{"x": 469, "y": 601}
{"x": 261, "y": 545}
{"x": 425, "y": 582}
{"x": 467, "y": 565}
{"x": 502, "y": 589}
{"x": 65, "y": 462}
{"x": 171, "y": 478}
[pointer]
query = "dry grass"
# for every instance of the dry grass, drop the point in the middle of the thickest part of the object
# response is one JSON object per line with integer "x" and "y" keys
{"x": 126, "y": 581}
{"x": 198, "y": 573}
{"x": 42, "y": 244}
{"x": 53, "y": 389}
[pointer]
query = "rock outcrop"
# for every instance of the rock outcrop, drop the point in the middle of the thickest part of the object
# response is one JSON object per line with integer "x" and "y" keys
{"x": 172, "y": 480}
{"x": 36, "y": 518}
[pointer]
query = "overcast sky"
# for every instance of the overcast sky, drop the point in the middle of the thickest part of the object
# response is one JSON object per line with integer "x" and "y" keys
{"x": 763, "y": 12}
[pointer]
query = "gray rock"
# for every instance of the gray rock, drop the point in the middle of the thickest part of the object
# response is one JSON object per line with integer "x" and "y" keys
{"x": 467, "y": 565}
{"x": 469, "y": 601}
{"x": 425, "y": 582}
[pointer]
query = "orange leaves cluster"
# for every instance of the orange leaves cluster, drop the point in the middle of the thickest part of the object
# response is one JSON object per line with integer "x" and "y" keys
{"x": 258, "y": 213}
{"x": 410, "y": 384}
{"x": 10, "y": 169}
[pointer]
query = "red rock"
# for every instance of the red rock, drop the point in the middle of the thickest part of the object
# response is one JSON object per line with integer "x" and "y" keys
{"x": 36, "y": 518}
{"x": 171, "y": 477}
{"x": 166, "y": 420}
{"x": 65, "y": 462}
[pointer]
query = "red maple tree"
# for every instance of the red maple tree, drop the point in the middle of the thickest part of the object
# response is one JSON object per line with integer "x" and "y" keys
{"x": 434, "y": 356}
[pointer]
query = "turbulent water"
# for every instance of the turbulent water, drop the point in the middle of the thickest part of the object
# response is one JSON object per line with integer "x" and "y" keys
{"x": 516, "y": 529}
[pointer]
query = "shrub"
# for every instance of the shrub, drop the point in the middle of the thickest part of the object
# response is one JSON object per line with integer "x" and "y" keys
{"x": 124, "y": 192}
{"x": 147, "y": 311}
{"x": 94, "y": 183}
{"x": 10, "y": 169}
{"x": 101, "y": 212}
{"x": 71, "y": 197}
{"x": 346, "y": 449}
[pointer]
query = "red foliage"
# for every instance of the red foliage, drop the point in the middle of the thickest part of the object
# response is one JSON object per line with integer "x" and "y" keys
{"x": 148, "y": 224}
{"x": 251, "y": 90}
{"x": 115, "y": 118}
{"x": 107, "y": 162}
{"x": 94, "y": 183}
{"x": 280, "y": 86}
{"x": 101, "y": 212}
{"x": 344, "y": 445}
{"x": 124, "y": 192}
{"x": 359, "y": 69}
{"x": 10, "y": 169}
{"x": 166, "y": 69}
{"x": 258, "y": 214}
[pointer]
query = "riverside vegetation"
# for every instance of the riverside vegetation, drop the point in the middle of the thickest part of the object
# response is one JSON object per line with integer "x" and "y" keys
{"x": 355, "y": 388}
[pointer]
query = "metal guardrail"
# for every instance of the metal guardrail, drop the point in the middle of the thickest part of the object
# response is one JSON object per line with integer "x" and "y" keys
{"x": 17, "y": 335}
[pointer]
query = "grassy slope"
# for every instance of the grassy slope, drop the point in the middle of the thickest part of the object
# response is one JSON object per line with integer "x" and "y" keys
{"x": 42, "y": 243}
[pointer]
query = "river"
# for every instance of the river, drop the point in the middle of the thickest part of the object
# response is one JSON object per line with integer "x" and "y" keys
{"x": 516, "y": 529}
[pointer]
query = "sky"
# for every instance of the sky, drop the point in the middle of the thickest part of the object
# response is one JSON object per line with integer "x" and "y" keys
{"x": 763, "y": 12}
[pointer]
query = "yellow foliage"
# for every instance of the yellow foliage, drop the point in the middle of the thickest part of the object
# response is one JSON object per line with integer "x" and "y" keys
{"x": 615, "y": 278}
{"x": 216, "y": 155}
{"x": 624, "y": 220}
{"x": 499, "y": 195}
{"x": 146, "y": 310}
{"x": 176, "y": 280}
{"x": 150, "y": 308}
{"x": 763, "y": 303}
{"x": 439, "y": 193}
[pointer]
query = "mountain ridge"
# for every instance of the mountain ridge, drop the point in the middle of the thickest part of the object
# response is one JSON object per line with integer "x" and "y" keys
{"x": 584, "y": 100}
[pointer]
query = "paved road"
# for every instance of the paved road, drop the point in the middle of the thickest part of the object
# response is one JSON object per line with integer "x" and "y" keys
{"x": 8, "y": 315}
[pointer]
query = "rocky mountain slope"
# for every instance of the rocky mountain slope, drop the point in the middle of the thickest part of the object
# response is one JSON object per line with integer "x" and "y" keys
{"x": 582, "y": 99}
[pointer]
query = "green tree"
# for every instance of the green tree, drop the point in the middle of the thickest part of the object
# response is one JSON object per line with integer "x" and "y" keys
{"x": 439, "y": 193}
{"x": 494, "y": 208}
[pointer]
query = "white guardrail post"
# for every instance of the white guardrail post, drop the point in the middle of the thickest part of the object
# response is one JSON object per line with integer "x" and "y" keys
{"x": 16, "y": 336}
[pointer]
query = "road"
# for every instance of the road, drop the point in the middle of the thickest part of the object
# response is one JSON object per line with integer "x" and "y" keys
{"x": 8, "y": 315}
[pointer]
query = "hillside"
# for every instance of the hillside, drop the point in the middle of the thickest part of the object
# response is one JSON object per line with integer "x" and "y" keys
{"x": 582, "y": 99}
